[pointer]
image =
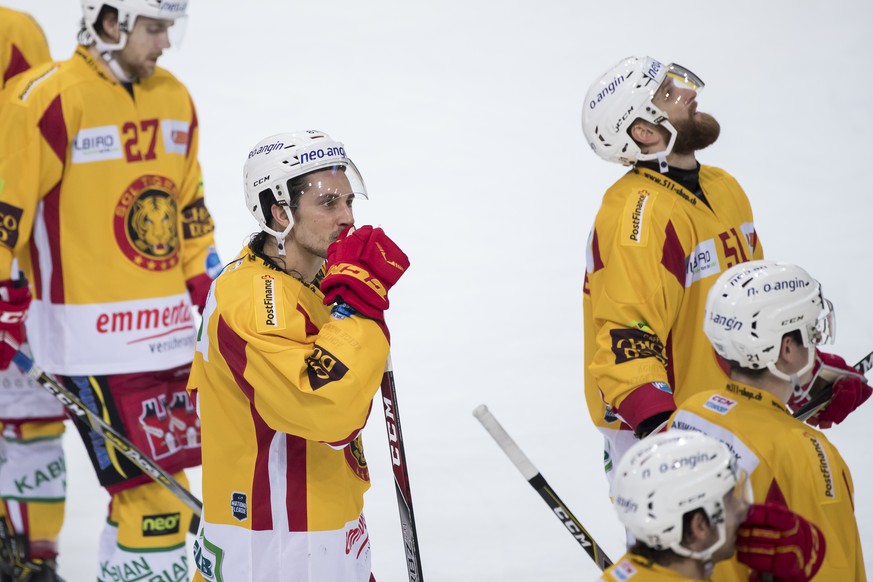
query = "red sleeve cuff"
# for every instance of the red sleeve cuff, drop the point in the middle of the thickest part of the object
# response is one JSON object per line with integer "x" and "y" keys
{"x": 645, "y": 402}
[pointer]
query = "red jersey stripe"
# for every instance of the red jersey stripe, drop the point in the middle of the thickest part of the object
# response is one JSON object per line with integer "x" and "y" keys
{"x": 233, "y": 349}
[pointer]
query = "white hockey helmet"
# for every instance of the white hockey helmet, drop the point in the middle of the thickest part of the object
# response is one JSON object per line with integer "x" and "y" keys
{"x": 622, "y": 95}
{"x": 666, "y": 475}
{"x": 128, "y": 12}
{"x": 276, "y": 161}
{"x": 752, "y": 305}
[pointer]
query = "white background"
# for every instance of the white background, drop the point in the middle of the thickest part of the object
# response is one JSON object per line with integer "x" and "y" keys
{"x": 464, "y": 119}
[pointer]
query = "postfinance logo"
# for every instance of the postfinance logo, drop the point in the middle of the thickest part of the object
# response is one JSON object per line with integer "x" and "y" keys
{"x": 269, "y": 312}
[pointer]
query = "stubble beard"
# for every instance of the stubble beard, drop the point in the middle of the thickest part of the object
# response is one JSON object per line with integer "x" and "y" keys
{"x": 697, "y": 133}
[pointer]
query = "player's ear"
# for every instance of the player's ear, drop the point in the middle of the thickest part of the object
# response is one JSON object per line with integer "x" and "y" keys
{"x": 109, "y": 26}
{"x": 644, "y": 133}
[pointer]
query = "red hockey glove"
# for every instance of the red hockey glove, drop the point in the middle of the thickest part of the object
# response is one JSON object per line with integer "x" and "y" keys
{"x": 647, "y": 408}
{"x": 362, "y": 266}
{"x": 198, "y": 288}
{"x": 775, "y": 540}
{"x": 14, "y": 302}
{"x": 849, "y": 387}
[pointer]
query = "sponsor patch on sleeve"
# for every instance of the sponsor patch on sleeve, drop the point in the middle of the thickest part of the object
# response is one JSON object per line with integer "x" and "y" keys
{"x": 719, "y": 404}
{"x": 323, "y": 368}
{"x": 176, "y": 135}
{"x": 632, "y": 344}
{"x": 269, "y": 311}
{"x": 636, "y": 218}
{"x": 10, "y": 220}
{"x": 196, "y": 220}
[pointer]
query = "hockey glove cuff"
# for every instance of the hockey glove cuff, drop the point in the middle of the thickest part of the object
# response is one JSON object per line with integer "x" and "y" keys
{"x": 773, "y": 539}
{"x": 14, "y": 301}
{"x": 850, "y": 390}
{"x": 647, "y": 408}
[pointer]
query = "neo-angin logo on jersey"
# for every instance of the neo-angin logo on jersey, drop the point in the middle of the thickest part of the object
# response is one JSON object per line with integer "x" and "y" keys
{"x": 632, "y": 344}
{"x": 10, "y": 219}
{"x": 323, "y": 367}
{"x": 146, "y": 223}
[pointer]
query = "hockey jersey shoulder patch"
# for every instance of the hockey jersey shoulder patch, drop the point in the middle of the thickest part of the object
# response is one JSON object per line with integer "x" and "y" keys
{"x": 719, "y": 404}
{"x": 636, "y": 217}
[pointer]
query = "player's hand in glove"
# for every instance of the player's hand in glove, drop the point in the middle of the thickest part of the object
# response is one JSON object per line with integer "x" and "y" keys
{"x": 14, "y": 301}
{"x": 362, "y": 265}
{"x": 850, "y": 390}
{"x": 775, "y": 540}
{"x": 647, "y": 409}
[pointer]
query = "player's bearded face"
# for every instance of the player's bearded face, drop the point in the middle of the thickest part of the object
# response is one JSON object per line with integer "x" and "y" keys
{"x": 695, "y": 133}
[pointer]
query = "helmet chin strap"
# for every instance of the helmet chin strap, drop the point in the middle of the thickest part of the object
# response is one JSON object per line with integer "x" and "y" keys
{"x": 794, "y": 378}
{"x": 115, "y": 67}
{"x": 107, "y": 51}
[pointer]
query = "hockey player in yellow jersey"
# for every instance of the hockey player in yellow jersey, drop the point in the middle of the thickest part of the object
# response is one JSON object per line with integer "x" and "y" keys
{"x": 286, "y": 370}
{"x": 33, "y": 471}
{"x": 766, "y": 319}
{"x": 664, "y": 231}
{"x": 683, "y": 497}
{"x": 102, "y": 204}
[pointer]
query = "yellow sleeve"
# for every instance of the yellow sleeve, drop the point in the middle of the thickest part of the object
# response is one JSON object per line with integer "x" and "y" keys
{"x": 635, "y": 297}
{"x": 305, "y": 373}
{"x": 198, "y": 238}
{"x": 23, "y": 44}
{"x": 30, "y": 125}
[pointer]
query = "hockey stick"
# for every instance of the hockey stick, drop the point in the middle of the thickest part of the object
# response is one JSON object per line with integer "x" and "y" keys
{"x": 401, "y": 474}
{"x": 823, "y": 397}
{"x": 76, "y": 407}
{"x": 538, "y": 482}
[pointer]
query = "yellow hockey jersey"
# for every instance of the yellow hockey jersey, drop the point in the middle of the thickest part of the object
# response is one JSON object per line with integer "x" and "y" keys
{"x": 789, "y": 463}
{"x": 22, "y": 44}
{"x": 653, "y": 254}
{"x": 283, "y": 389}
{"x": 633, "y": 568}
{"x": 101, "y": 198}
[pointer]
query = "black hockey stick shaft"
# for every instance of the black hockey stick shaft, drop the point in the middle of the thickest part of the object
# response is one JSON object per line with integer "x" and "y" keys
{"x": 823, "y": 398}
{"x": 538, "y": 482}
{"x": 77, "y": 408}
{"x": 401, "y": 474}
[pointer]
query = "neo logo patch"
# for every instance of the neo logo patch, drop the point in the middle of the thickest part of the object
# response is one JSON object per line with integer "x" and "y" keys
{"x": 160, "y": 525}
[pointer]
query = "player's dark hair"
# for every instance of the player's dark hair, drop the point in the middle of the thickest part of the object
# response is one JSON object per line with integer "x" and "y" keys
{"x": 668, "y": 557}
